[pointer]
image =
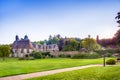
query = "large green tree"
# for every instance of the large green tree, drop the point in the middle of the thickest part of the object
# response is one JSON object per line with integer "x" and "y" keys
{"x": 71, "y": 45}
{"x": 5, "y": 50}
{"x": 89, "y": 43}
{"x": 54, "y": 40}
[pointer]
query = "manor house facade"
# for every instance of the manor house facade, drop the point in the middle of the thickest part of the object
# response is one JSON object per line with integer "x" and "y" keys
{"x": 23, "y": 46}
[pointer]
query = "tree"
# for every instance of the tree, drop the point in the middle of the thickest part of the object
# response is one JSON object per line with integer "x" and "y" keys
{"x": 39, "y": 42}
{"x": 110, "y": 42}
{"x": 70, "y": 45}
{"x": 61, "y": 43}
{"x": 58, "y": 36}
{"x": 118, "y": 17}
{"x": 89, "y": 44}
{"x": 117, "y": 37}
{"x": 54, "y": 40}
{"x": 5, "y": 50}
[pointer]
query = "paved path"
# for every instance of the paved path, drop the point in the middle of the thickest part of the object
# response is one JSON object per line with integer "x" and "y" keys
{"x": 37, "y": 74}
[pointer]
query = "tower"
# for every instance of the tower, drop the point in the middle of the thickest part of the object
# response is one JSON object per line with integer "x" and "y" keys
{"x": 26, "y": 37}
{"x": 17, "y": 38}
{"x": 45, "y": 46}
{"x": 89, "y": 36}
{"x": 97, "y": 39}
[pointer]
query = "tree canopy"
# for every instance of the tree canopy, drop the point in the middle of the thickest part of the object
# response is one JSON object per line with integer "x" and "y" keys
{"x": 71, "y": 45}
{"x": 118, "y": 17}
{"x": 89, "y": 44}
{"x": 5, "y": 50}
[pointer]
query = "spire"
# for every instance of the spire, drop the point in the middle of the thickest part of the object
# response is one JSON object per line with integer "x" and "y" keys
{"x": 89, "y": 36}
{"x": 26, "y": 37}
{"x": 17, "y": 38}
{"x": 97, "y": 39}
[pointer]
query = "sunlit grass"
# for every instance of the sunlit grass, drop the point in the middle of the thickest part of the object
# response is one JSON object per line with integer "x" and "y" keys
{"x": 93, "y": 73}
{"x": 13, "y": 66}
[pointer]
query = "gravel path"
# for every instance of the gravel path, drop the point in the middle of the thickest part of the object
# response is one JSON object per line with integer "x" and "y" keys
{"x": 44, "y": 73}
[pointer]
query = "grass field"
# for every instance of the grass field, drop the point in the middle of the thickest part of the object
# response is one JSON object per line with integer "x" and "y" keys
{"x": 13, "y": 66}
{"x": 94, "y": 73}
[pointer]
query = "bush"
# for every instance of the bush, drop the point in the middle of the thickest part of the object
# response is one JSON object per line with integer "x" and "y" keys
{"x": 111, "y": 62}
{"x": 30, "y": 58}
{"x": 79, "y": 56}
{"x": 64, "y": 56}
{"x": 21, "y": 58}
{"x": 46, "y": 54}
{"x": 86, "y": 56}
{"x": 68, "y": 56}
{"x": 52, "y": 56}
{"x": 37, "y": 55}
{"x": 108, "y": 54}
{"x": 26, "y": 58}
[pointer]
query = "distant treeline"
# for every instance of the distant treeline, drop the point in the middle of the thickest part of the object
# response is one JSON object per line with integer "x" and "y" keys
{"x": 71, "y": 44}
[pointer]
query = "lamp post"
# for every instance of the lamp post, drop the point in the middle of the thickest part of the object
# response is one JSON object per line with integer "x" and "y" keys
{"x": 103, "y": 54}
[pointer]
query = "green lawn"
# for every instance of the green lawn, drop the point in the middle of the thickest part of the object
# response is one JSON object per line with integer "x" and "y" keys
{"x": 15, "y": 67}
{"x": 94, "y": 73}
{"x": 8, "y": 60}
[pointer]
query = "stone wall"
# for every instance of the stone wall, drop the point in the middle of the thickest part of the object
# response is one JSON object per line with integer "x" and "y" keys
{"x": 66, "y": 53}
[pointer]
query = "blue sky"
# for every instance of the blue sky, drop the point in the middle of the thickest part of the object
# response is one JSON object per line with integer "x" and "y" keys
{"x": 72, "y": 18}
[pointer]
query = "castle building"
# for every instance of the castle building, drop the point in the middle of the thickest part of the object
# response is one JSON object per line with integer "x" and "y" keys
{"x": 22, "y": 47}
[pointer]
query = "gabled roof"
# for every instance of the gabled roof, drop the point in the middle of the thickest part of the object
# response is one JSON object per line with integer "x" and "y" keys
{"x": 22, "y": 44}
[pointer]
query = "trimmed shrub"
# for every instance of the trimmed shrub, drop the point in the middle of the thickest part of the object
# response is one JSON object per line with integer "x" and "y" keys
{"x": 110, "y": 62}
{"x": 52, "y": 56}
{"x": 38, "y": 55}
{"x": 64, "y": 56}
{"x": 68, "y": 56}
{"x": 79, "y": 56}
{"x": 46, "y": 53}
{"x": 30, "y": 58}
{"x": 21, "y": 58}
{"x": 26, "y": 58}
